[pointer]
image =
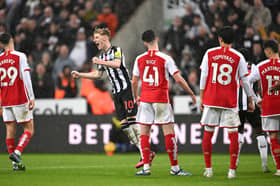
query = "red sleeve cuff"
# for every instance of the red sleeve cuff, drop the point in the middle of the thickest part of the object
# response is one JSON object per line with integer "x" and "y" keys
{"x": 28, "y": 69}
{"x": 176, "y": 72}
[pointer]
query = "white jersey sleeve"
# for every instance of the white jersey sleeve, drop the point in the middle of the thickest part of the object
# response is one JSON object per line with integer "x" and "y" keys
{"x": 135, "y": 71}
{"x": 171, "y": 66}
{"x": 242, "y": 67}
{"x": 204, "y": 71}
{"x": 25, "y": 74}
{"x": 255, "y": 74}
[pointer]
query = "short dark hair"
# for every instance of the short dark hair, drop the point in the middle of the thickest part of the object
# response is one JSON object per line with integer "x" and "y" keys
{"x": 227, "y": 34}
{"x": 5, "y": 38}
{"x": 148, "y": 36}
{"x": 272, "y": 44}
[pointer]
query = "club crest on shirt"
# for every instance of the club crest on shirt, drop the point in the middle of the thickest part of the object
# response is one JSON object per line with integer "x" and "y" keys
{"x": 118, "y": 54}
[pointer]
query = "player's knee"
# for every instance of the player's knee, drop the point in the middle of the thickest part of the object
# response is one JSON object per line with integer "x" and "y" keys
{"x": 209, "y": 129}
{"x": 232, "y": 129}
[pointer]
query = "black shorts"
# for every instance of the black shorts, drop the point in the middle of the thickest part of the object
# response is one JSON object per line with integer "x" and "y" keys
{"x": 124, "y": 103}
{"x": 254, "y": 118}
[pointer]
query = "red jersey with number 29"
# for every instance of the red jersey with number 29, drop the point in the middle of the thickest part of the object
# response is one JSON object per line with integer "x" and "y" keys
{"x": 153, "y": 67}
{"x": 12, "y": 66}
{"x": 268, "y": 72}
{"x": 223, "y": 66}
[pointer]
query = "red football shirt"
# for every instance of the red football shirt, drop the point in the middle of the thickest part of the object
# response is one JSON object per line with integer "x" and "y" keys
{"x": 223, "y": 67}
{"x": 268, "y": 72}
{"x": 12, "y": 66}
{"x": 153, "y": 68}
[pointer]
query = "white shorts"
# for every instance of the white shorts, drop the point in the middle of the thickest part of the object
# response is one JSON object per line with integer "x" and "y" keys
{"x": 154, "y": 114}
{"x": 271, "y": 124}
{"x": 219, "y": 117}
{"x": 19, "y": 114}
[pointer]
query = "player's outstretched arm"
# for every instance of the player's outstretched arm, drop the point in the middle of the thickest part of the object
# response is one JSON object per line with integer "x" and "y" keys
{"x": 90, "y": 75}
{"x": 182, "y": 83}
{"x": 134, "y": 83}
{"x": 116, "y": 63}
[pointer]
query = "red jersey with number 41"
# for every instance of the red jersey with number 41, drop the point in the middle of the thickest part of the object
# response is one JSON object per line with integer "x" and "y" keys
{"x": 268, "y": 72}
{"x": 153, "y": 68}
{"x": 223, "y": 67}
{"x": 12, "y": 66}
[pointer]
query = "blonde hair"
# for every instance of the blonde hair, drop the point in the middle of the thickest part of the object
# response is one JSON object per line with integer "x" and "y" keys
{"x": 102, "y": 31}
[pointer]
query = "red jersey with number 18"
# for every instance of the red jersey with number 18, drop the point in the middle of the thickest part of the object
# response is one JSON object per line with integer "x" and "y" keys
{"x": 223, "y": 66}
{"x": 153, "y": 68}
{"x": 13, "y": 91}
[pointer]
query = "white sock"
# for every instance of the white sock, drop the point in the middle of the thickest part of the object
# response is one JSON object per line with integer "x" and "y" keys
{"x": 146, "y": 166}
{"x": 240, "y": 142}
{"x": 135, "y": 129}
{"x": 262, "y": 146}
{"x": 175, "y": 168}
{"x": 18, "y": 152}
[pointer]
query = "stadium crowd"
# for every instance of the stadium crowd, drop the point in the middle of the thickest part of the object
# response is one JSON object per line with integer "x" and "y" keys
{"x": 56, "y": 36}
{"x": 189, "y": 36}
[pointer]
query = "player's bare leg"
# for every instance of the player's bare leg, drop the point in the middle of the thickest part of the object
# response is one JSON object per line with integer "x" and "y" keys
{"x": 172, "y": 150}
{"x": 135, "y": 128}
{"x": 145, "y": 148}
{"x": 207, "y": 150}
{"x": 28, "y": 131}
{"x": 275, "y": 149}
{"x": 10, "y": 140}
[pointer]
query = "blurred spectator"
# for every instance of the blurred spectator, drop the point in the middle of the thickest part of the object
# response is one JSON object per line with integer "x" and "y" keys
{"x": 47, "y": 62}
{"x": 274, "y": 28}
{"x": 100, "y": 99}
{"x": 173, "y": 39}
{"x": 62, "y": 61}
{"x": 43, "y": 87}
{"x": 188, "y": 17}
{"x": 109, "y": 18}
{"x": 258, "y": 54}
{"x": 66, "y": 85}
{"x": 37, "y": 14}
{"x": 257, "y": 16}
{"x": 247, "y": 41}
{"x": 193, "y": 81}
{"x": 53, "y": 37}
{"x": 193, "y": 31}
{"x": 38, "y": 50}
{"x": 30, "y": 6}
{"x": 90, "y": 12}
{"x": 123, "y": 8}
{"x": 79, "y": 52}
{"x": 45, "y": 20}
{"x": 187, "y": 62}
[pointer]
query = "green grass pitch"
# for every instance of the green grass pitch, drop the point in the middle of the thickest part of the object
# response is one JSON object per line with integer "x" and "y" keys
{"x": 99, "y": 169}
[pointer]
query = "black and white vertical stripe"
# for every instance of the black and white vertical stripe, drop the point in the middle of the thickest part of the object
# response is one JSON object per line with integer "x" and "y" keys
{"x": 242, "y": 96}
{"x": 118, "y": 76}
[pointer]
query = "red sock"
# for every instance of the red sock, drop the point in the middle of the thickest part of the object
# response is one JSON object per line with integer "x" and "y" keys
{"x": 24, "y": 140}
{"x": 11, "y": 146}
{"x": 233, "y": 148}
{"x": 145, "y": 148}
{"x": 207, "y": 147}
{"x": 171, "y": 148}
{"x": 275, "y": 148}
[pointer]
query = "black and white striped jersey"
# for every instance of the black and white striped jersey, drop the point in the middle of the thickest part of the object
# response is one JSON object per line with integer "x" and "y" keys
{"x": 118, "y": 76}
{"x": 242, "y": 96}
